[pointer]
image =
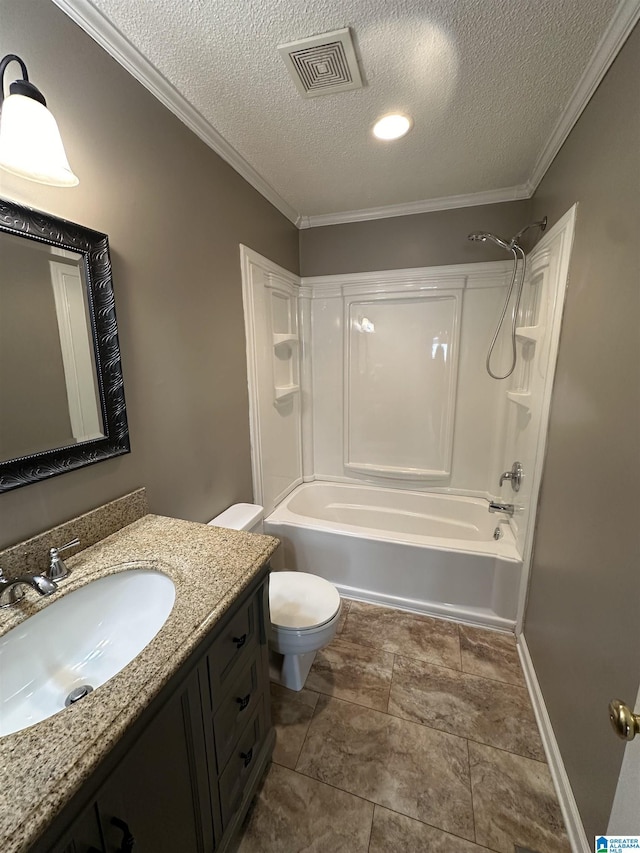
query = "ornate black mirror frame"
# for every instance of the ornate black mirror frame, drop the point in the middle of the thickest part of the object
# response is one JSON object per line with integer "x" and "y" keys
{"x": 94, "y": 249}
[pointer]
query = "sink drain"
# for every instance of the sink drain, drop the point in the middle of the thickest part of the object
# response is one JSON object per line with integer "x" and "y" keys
{"x": 78, "y": 693}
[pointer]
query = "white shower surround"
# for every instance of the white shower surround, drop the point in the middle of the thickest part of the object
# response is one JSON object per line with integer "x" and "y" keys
{"x": 479, "y": 581}
{"x": 471, "y": 403}
{"x": 430, "y": 553}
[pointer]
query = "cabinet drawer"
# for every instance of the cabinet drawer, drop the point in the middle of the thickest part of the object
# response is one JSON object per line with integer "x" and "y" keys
{"x": 240, "y": 765}
{"x": 244, "y": 696}
{"x": 234, "y": 645}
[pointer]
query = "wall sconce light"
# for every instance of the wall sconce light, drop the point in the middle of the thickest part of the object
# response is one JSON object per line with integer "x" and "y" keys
{"x": 30, "y": 142}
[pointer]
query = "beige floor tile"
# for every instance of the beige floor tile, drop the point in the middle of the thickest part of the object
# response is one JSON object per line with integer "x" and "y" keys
{"x": 477, "y": 708}
{"x": 514, "y": 802}
{"x": 294, "y": 813}
{"x": 396, "y": 833}
{"x": 291, "y": 714}
{"x": 409, "y": 634}
{"x": 409, "y": 768}
{"x": 491, "y": 654}
{"x": 358, "y": 674}
{"x": 346, "y": 604}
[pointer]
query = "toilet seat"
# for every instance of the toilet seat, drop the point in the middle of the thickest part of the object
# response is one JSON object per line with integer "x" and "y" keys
{"x": 299, "y": 601}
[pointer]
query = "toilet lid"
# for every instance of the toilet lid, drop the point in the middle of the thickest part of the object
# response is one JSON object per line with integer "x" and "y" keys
{"x": 300, "y": 600}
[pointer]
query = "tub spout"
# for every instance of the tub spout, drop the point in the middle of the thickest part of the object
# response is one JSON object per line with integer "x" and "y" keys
{"x": 496, "y": 506}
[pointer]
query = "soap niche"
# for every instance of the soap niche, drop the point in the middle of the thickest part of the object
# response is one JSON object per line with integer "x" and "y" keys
{"x": 529, "y": 334}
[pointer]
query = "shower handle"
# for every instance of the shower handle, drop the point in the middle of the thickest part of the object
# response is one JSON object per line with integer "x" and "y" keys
{"x": 515, "y": 476}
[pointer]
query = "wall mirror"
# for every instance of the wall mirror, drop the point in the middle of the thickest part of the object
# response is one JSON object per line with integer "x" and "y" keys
{"x": 61, "y": 389}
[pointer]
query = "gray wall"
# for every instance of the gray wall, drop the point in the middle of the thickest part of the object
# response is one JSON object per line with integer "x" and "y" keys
{"x": 34, "y": 410}
{"x": 584, "y": 601}
{"x": 420, "y": 240}
{"x": 175, "y": 214}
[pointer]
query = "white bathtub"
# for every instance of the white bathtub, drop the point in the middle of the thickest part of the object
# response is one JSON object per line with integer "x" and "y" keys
{"x": 426, "y": 552}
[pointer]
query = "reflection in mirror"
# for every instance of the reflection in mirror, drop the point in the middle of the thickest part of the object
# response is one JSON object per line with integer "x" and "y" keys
{"x": 48, "y": 384}
{"x": 61, "y": 390}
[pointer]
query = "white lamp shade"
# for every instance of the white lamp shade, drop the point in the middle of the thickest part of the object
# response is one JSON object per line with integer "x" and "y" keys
{"x": 30, "y": 143}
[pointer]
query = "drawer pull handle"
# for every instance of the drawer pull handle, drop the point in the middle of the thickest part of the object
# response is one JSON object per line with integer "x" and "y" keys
{"x": 243, "y": 701}
{"x": 128, "y": 841}
{"x": 247, "y": 756}
{"x": 240, "y": 641}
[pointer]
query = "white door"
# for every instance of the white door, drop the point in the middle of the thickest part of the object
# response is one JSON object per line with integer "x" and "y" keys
{"x": 625, "y": 814}
{"x": 77, "y": 351}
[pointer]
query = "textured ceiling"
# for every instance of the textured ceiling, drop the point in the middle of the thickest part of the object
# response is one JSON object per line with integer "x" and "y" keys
{"x": 485, "y": 81}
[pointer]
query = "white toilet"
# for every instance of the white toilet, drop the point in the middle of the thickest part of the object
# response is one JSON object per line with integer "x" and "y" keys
{"x": 305, "y": 609}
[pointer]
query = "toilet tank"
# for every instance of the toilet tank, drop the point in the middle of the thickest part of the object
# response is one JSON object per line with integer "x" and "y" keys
{"x": 241, "y": 517}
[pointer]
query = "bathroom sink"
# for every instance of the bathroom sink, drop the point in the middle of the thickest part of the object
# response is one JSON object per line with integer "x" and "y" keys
{"x": 78, "y": 642}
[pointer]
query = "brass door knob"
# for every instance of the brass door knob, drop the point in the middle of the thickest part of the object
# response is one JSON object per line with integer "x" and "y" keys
{"x": 625, "y": 723}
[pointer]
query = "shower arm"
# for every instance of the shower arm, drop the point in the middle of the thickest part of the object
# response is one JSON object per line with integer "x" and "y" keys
{"x": 541, "y": 224}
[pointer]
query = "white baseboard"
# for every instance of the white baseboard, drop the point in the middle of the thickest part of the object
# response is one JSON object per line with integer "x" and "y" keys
{"x": 568, "y": 805}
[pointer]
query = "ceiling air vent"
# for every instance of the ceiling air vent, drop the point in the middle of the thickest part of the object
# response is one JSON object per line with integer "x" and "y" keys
{"x": 323, "y": 65}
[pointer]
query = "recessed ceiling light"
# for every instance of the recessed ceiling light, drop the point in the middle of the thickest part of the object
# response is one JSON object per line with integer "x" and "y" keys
{"x": 392, "y": 126}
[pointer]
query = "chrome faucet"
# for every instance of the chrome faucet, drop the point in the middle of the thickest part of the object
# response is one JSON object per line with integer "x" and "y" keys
{"x": 43, "y": 584}
{"x": 515, "y": 476}
{"x": 496, "y": 506}
{"x": 10, "y": 586}
{"x": 57, "y": 568}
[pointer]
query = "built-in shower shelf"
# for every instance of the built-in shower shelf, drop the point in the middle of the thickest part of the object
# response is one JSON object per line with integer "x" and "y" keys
{"x": 284, "y": 391}
{"x": 521, "y": 398}
{"x": 284, "y": 339}
{"x": 529, "y": 333}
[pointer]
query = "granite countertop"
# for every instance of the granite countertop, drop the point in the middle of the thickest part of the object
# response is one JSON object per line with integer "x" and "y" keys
{"x": 43, "y": 766}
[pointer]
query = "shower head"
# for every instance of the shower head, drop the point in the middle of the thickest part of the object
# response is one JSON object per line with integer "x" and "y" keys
{"x": 511, "y": 245}
{"x": 483, "y": 236}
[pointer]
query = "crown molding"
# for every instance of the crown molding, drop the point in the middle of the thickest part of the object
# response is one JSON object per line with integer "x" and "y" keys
{"x": 624, "y": 20}
{"x": 425, "y": 206}
{"x": 109, "y": 37}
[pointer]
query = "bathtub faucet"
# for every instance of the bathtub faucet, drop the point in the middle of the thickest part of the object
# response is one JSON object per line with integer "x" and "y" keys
{"x": 495, "y": 506}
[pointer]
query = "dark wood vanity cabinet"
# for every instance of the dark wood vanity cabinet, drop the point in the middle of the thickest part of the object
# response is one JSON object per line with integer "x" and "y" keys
{"x": 157, "y": 793}
{"x": 181, "y": 779}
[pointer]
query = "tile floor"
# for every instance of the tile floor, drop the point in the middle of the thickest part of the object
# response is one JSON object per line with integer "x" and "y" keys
{"x": 411, "y": 734}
